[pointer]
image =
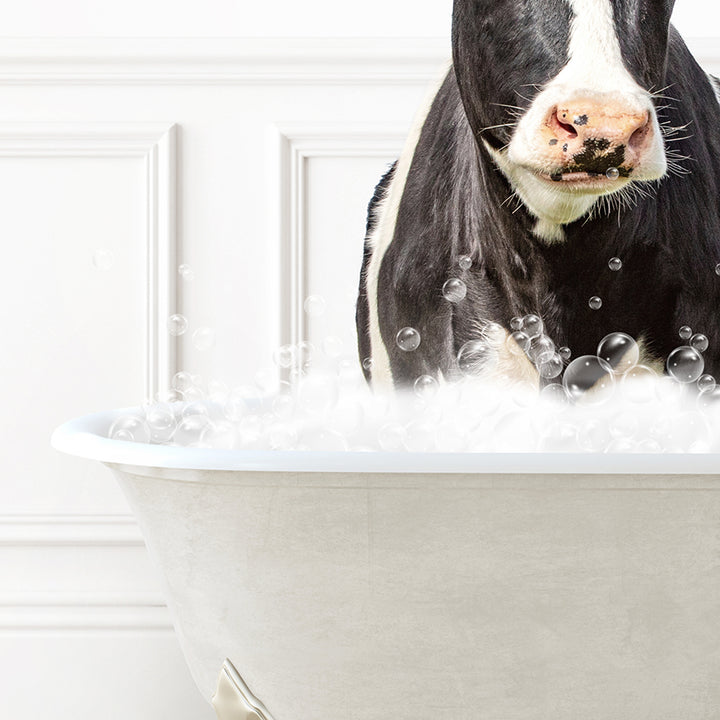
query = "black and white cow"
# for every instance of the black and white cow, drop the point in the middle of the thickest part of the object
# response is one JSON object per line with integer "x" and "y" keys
{"x": 566, "y": 133}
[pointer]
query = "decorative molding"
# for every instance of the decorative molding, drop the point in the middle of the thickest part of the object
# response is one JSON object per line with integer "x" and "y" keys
{"x": 25, "y": 614}
{"x": 294, "y": 146}
{"x": 77, "y": 610}
{"x": 167, "y": 61}
{"x": 69, "y": 531}
{"x": 155, "y": 144}
{"x": 189, "y": 61}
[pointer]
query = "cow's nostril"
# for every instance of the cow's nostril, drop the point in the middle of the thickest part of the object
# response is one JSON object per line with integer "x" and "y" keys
{"x": 561, "y": 128}
{"x": 638, "y": 137}
{"x": 569, "y": 129}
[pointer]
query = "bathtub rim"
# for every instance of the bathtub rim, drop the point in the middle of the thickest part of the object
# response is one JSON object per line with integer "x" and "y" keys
{"x": 85, "y": 437}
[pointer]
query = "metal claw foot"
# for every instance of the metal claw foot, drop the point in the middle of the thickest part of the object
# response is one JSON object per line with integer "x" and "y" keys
{"x": 233, "y": 700}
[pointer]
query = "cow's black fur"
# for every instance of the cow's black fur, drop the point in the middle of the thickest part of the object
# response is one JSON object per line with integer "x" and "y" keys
{"x": 453, "y": 205}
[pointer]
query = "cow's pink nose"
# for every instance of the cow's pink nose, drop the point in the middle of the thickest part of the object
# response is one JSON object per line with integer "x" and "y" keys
{"x": 587, "y": 124}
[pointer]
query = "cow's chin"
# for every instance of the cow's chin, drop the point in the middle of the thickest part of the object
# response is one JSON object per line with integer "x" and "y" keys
{"x": 558, "y": 199}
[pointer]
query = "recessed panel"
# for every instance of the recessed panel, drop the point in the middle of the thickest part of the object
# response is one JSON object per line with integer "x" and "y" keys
{"x": 72, "y": 313}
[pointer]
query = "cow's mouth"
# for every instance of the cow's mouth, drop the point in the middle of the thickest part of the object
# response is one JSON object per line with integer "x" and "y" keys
{"x": 583, "y": 179}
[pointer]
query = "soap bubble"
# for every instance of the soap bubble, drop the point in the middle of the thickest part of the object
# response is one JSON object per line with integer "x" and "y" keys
{"x": 685, "y": 332}
{"x": 687, "y": 431}
{"x": 717, "y": 269}
{"x": 476, "y": 356}
{"x": 194, "y": 408}
{"x": 454, "y": 290}
{"x": 203, "y": 338}
{"x": 619, "y": 351}
{"x": 465, "y": 262}
{"x": 685, "y": 364}
{"x": 324, "y": 440}
{"x": 623, "y": 425}
{"x": 555, "y": 393}
{"x": 349, "y": 375}
{"x": 518, "y": 343}
{"x": 699, "y": 342}
{"x": 160, "y": 419}
{"x": 668, "y": 390}
{"x": 182, "y": 381}
{"x": 103, "y": 259}
{"x": 367, "y": 363}
{"x": 237, "y": 404}
{"x": 542, "y": 348}
{"x": 426, "y": 386}
{"x": 589, "y": 380}
{"x": 532, "y": 326}
{"x": 612, "y": 173}
{"x": 131, "y": 428}
{"x": 168, "y": 396}
{"x": 190, "y": 429}
{"x": 550, "y": 367}
{"x": 408, "y": 339}
{"x": 314, "y": 305}
{"x": 284, "y": 356}
{"x": 709, "y": 400}
{"x": 194, "y": 393}
{"x": 177, "y": 324}
{"x": 595, "y": 302}
{"x": 185, "y": 272}
{"x": 419, "y": 436}
{"x": 391, "y": 437}
{"x": 620, "y": 445}
{"x": 565, "y": 353}
{"x": 615, "y": 264}
{"x": 305, "y": 352}
{"x": 516, "y": 324}
{"x": 706, "y": 383}
{"x": 219, "y": 434}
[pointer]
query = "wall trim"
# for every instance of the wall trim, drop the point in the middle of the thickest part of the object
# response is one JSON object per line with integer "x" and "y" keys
{"x": 293, "y": 147}
{"x": 84, "y": 615}
{"x": 55, "y": 530}
{"x": 153, "y": 61}
{"x": 154, "y": 143}
{"x": 51, "y": 610}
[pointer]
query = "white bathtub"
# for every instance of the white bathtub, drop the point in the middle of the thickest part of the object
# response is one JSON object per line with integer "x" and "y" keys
{"x": 414, "y": 587}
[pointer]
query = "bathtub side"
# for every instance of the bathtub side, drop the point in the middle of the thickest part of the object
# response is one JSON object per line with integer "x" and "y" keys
{"x": 363, "y": 595}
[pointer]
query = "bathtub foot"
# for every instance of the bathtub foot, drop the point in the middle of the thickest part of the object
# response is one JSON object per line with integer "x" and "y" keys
{"x": 233, "y": 700}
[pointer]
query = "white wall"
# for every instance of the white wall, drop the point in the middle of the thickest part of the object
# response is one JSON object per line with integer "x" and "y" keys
{"x": 251, "y": 161}
{"x": 232, "y": 18}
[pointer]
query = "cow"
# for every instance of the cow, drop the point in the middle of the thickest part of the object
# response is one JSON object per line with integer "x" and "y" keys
{"x": 567, "y": 168}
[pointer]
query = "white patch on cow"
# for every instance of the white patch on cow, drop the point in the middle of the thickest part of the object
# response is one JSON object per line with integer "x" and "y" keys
{"x": 381, "y": 237}
{"x": 548, "y": 231}
{"x": 513, "y": 367}
{"x": 648, "y": 358}
{"x": 594, "y": 70}
{"x": 550, "y": 207}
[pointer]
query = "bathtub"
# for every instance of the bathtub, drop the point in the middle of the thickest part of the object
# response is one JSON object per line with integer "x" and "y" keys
{"x": 361, "y": 586}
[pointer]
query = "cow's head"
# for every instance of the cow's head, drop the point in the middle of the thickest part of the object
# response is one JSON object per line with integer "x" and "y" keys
{"x": 561, "y": 94}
